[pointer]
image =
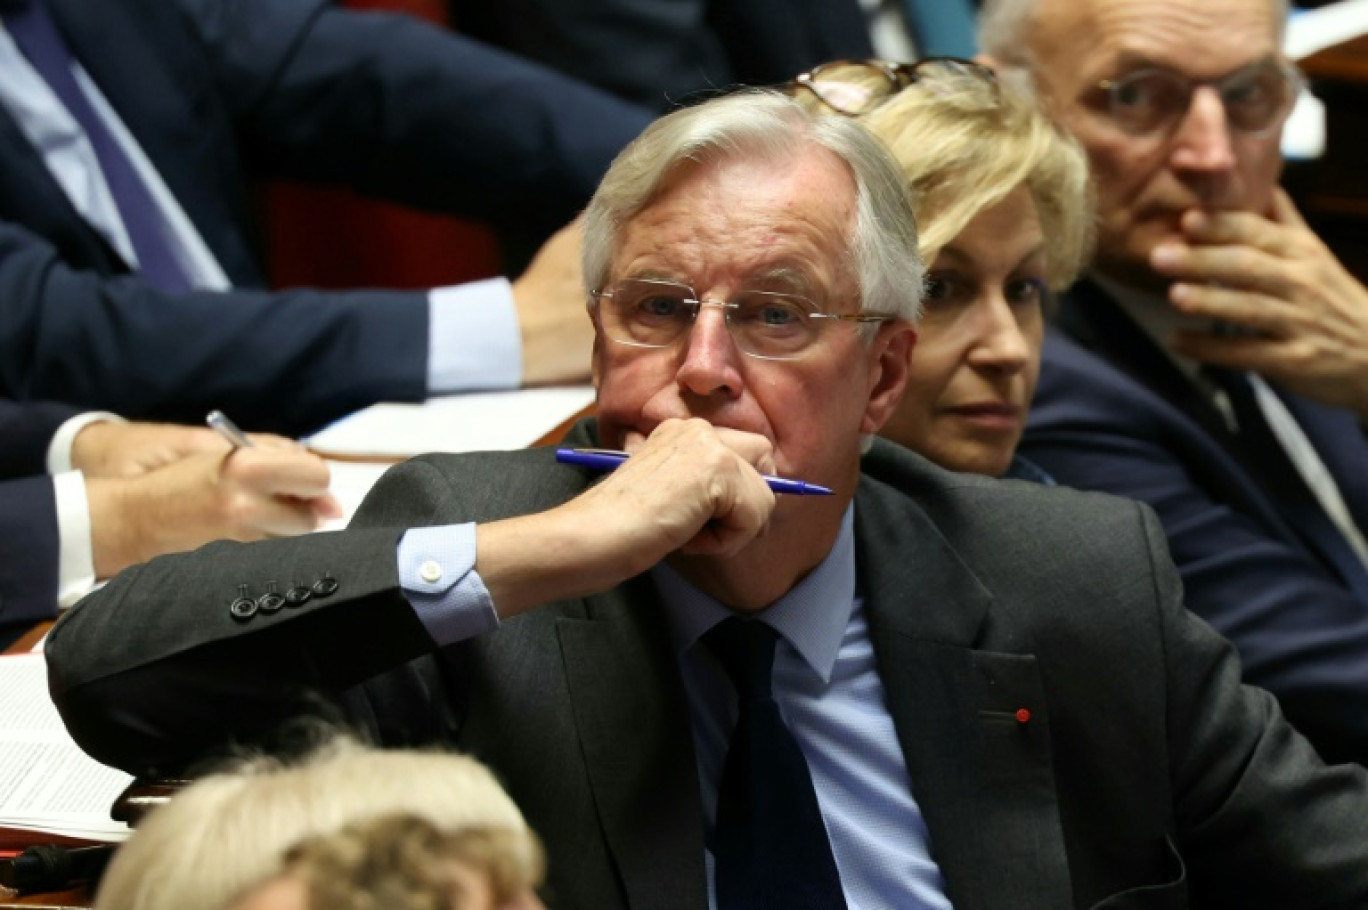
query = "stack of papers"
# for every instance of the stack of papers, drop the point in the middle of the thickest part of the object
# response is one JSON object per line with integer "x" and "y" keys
{"x": 50, "y": 791}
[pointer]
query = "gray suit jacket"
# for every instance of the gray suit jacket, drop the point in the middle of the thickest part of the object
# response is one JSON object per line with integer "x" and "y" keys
{"x": 1146, "y": 775}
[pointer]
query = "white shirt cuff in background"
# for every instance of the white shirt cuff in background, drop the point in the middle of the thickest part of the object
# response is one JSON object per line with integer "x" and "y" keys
{"x": 76, "y": 557}
{"x": 473, "y": 337}
{"x": 59, "y": 450}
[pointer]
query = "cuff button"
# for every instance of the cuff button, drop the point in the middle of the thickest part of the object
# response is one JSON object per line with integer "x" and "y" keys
{"x": 325, "y": 586}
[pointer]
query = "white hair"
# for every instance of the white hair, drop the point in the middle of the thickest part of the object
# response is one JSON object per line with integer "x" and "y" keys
{"x": 1004, "y": 26}
{"x": 774, "y": 127}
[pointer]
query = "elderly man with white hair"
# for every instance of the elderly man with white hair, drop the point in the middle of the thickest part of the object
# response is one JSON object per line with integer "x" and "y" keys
{"x": 1214, "y": 363}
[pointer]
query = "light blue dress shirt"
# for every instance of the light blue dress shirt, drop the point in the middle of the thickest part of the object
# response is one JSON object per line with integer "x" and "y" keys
{"x": 473, "y": 335}
{"x": 825, "y": 681}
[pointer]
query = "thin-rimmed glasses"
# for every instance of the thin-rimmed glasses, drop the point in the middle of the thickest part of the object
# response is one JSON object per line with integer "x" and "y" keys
{"x": 855, "y": 87}
{"x": 648, "y": 313}
{"x": 1152, "y": 101}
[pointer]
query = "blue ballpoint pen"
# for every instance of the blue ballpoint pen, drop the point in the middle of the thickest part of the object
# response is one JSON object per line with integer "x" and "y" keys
{"x": 609, "y": 459}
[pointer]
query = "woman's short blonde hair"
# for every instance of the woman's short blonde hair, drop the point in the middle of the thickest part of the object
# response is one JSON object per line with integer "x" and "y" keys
{"x": 964, "y": 144}
{"x": 230, "y": 831}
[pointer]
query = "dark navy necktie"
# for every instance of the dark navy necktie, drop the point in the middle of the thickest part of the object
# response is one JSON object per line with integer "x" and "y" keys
{"x": 36, "y": 36}
{"x": 770, "y": 845}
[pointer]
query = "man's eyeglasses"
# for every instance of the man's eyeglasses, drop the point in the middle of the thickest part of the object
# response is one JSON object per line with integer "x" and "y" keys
{"x": 656, "y": 314}
{"x": 1153, "y": 101}
{"x": 854, "y": 87}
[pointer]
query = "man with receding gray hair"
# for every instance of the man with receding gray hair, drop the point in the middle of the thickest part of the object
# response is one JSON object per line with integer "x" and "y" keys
{"x": 1214, "y": 363}
{"x": 920, "y": 690}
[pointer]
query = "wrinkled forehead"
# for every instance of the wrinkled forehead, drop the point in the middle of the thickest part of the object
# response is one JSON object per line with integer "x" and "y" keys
{"x": 787, "y": 221}
{"x": 1202, "y": 39}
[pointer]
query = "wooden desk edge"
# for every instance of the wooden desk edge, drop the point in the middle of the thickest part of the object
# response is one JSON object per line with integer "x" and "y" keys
{"x": 24, "y": 643}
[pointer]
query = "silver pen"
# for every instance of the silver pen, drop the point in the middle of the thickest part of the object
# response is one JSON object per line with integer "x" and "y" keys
{"x": 219, "y": 423}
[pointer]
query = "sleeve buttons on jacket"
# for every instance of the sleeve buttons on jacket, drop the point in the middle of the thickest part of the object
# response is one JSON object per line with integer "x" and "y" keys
{"x": 271, "y": 601}
{"x": 325, "y": 586}
{"x": 244, "y": 608}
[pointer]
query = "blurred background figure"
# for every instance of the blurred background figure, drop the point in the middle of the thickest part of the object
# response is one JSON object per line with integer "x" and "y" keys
{"x": 1002, "y": 204}
{"x": 404, "y": 862}
{"x": 230, "y": 832}
{"x": 84, "y": 496}
{"x": 658, "y": 53}
{"x": 133, "y": 134}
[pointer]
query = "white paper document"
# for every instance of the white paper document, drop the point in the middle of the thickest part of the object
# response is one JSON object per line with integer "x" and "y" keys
{"x": 472, "y": 422}
{"x": 47, "y": 784}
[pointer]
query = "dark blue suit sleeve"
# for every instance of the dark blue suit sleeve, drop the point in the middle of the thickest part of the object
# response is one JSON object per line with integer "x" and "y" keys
{"x": 28, "y": 552}
{"x": 662, "y": 52}
{"x": 26, "y": 430}
{"x": 116, "y": 344}
{"x": 392, "y": 106}
{"x": 1300, "y": 633}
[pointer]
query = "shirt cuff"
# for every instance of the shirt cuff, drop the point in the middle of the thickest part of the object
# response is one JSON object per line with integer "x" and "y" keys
{"x": 76, "y": 558}
{"x": 473, "y": 338}
{"x": 59, "y": 450}
{"x": 437, "y": 574}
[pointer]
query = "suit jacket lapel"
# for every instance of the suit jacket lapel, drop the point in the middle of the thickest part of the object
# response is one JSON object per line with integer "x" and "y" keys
{"x": 172, "y": 111}
{"x": 31, "y": 197}
{"x": 1094, "y": 319}
{"x": 981, "y": 774}
{"x": 1342, "y": 445}
{"x": 633, "y": 725}
{"x": 1091, "y": 317}
{"x": 1338, "y": 439}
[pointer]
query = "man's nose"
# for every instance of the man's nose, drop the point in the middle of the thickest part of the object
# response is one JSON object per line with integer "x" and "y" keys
{"x": 1203, "y": 141}
{"x": 1000, "y": 344}
{"x": 711, "y": 358}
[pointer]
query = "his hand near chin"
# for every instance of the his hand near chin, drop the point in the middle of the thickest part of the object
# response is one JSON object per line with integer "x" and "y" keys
{"x": 689, "y": 486}
{"x": 1299, "y": 317}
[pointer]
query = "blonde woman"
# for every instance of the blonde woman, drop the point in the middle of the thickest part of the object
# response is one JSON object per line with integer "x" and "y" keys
{"x": 1004, "y": 216}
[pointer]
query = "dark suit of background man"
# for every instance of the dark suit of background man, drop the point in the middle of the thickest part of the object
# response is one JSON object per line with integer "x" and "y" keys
{"x": 28, "y": 515}
{"x": 985, "y": 693}
{"x": 660, "y": 52}
{"x": 85, "y": 495}
{"x": 1247, "y": 441}
{"x": 213, "y": 93}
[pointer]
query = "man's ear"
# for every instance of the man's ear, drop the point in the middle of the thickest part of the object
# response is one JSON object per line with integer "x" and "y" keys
{"x": 891, "y": 359}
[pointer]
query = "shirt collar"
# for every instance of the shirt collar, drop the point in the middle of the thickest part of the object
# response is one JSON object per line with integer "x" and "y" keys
{"x": 811, "y": 617}
{"x": 1158, "y": 319}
